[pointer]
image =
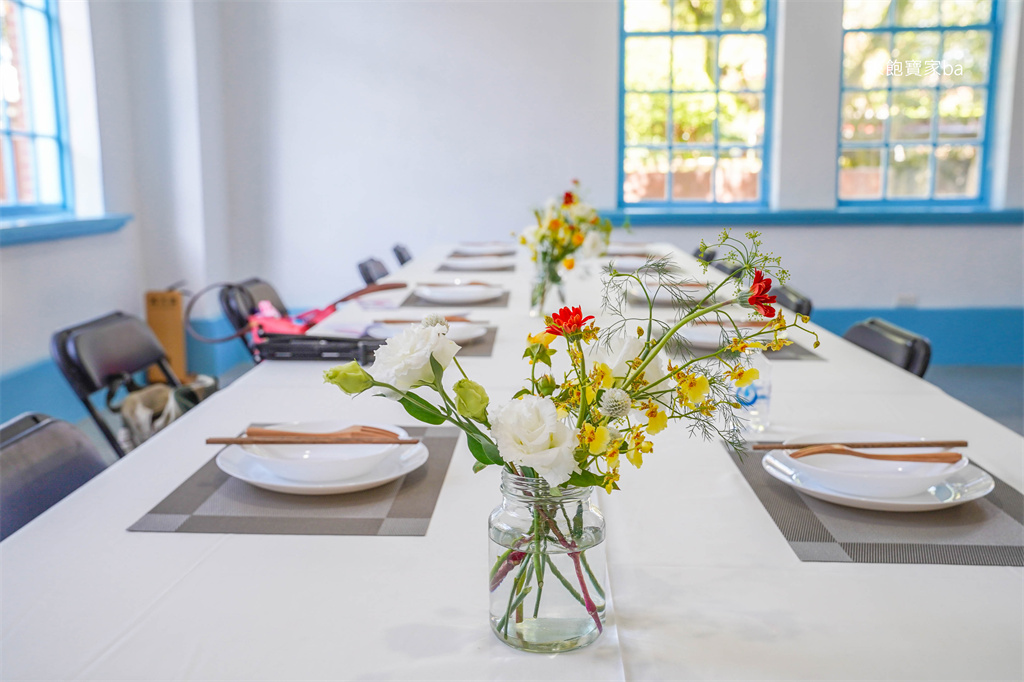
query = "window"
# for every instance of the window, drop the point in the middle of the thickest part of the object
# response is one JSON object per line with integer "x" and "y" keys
{"x": 916, "y": 91}
{"x": 695, "y": 105}
{"x": 33, "y": 151}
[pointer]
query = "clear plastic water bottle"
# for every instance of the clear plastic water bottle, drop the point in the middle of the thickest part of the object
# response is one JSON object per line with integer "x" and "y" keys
{"x": 756, "y": 397}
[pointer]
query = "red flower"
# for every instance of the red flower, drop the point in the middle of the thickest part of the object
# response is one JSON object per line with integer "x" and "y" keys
{"x": 758, "y": 297}
{"x": 569, "y": 199}
{"x": 567, "y": 321}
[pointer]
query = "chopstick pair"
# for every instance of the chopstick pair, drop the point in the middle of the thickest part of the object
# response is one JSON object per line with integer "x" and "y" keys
{"x": 352, "y": 435}
{"x": 873, "y": 444}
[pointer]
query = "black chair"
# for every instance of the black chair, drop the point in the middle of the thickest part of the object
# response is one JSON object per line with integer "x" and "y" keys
{"x": 42, "y": 461}
{"x": 707, "y": 256}
{"x": 728, "y": 269}
{"x": 895, "y": 344}
{"x": 100, "y": 353}
{"x": 372, "y": 269}
{"x": 790, "y": 298}
{"x": 402, "y": 253}
{"x": 239, "y": 301}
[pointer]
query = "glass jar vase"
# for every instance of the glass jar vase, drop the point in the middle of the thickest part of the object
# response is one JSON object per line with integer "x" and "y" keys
{"x": 546, "y": 278}
{"x": 547, "y": 570}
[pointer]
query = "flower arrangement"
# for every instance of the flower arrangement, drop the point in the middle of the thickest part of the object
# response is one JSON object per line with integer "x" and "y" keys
{"x": 615, "y": 390}
{"x": 563, "y": 228}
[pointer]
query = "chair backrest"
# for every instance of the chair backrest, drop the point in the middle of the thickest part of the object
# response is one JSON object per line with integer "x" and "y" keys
{"x": 42, "y": 461}
{"x": 707, "y": 256}
{"x": 239, "y": 301}
{"x": 788, "y": 297}
{"x": 95, "y": 354}
{"x": 372, "y": 269}
{"x": 402, "y": 254}
{"x": 904, "y": 348}
{"x": 727, "y": 268}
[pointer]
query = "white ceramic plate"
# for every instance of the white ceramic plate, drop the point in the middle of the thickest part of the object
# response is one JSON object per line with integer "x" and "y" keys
{"x": 869, "y": 477}
{"x": 462, "y": 333}
{"x": 234, "y": 461}
{"x": 486, "y": 249}
{"x": 459, "y": 293}
{"x": 628, "y": 249}
{"x": 327, "y": 462}
{"x": 970, "y": 483}
{"x": 480, "y": 263}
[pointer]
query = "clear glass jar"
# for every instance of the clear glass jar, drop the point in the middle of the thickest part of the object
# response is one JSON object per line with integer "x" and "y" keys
{"x": 547, "y": 571}
{"x": 546, "y": 278}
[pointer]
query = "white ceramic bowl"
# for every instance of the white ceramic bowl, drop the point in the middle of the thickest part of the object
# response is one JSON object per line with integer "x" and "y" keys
{"x": 459, "y": 293}
{"x": 480, "y": 263}
{"x": 869, "y": 477}
{"x": 321, "y": 463}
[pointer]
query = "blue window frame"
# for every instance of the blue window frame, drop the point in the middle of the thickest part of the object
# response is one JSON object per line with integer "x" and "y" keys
{"x": 917, "y": 89}
{"x": 36, "y": 171}
{"x": 695, "y": 102}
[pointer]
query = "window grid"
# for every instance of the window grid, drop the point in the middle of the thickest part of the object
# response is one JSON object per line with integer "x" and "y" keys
{"x": 671, "y": 147}
{"x": 12, "y": 135}
{"x": 886, "y": 145}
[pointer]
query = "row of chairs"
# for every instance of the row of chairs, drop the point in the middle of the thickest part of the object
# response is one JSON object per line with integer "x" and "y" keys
{"x": 373, "y": 269}
{"x": 903, "y": 348}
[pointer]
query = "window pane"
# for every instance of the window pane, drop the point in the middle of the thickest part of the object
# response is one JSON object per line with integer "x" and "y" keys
{"x": 24, "y": 169}
{"x": 912, "y": 50}
{"x": 740, "y": 119}
{"x": 746, "y": 15}
{"x": 910, "y": 117}
{"x": 860, "y": 174}
{"x": 965, "y": 57}
{"x": 738, "y": 176}
{"x": 646, "y": 15}
{"x": 865, "y": 13}
{"x": 961, "y": 111}
{"x": 917, "y": 13}
{"x": 694, "y": 117}
{"x": 908, "y": 172}
{"x": 12, "y": 70}
{"x": 956, "y": 172}
{"x": 864, "y": 115}
{"x": 694, "y": 15}
{"x": 6, "y": 170}
{"x": 646, "y": 173}
{"x": 741, "y": 62}
{"x": 38, "y": 4}
{"x": 691, "y": 175}
{"x": 693, "y": 63}
{"x": 48, "y": 164}
{"x": 40, "y": 69}
{"x": 966, "y": 12}
{"x": 646, "y": 118}
{"x": 647, "y": 63}
{"x": 865, "y": 56}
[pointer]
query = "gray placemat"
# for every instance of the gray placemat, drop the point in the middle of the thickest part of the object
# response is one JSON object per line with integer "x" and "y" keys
{"x": 414, "y": 301}
{"x": 985, "y": 532}
{"x": 445, "y": 268}
{"x": 793, "y": 351}
{"x": 482, "y": 348}
{"x": 210, "y": 501}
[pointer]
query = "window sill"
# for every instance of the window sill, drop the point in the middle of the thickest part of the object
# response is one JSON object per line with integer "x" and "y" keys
{"x": 845, "y": 215}
{"x": 61, "y": 226}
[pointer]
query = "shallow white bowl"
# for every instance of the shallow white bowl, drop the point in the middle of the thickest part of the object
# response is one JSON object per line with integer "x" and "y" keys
{"x": 459, "y": 293}
{"x": 480, "y": 263}
{"x": 321, "y": 463}
{"x": 869, "y": 477}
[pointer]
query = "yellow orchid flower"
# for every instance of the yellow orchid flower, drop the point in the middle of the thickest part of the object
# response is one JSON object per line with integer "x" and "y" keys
{"x": 543, "y": 338}
{"x": 692, "y": 388}
{"x": 657, "y": 422}
{"x": 601, "y": 375}
{"x": 743, "y": 376}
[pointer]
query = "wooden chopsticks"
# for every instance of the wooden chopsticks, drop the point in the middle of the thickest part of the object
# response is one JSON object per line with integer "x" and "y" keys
{"x": 310, "y": 439}
{"x": 875, "y": 444}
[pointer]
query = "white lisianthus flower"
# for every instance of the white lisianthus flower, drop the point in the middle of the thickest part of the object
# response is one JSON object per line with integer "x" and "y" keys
{"x": 618, "y": 352}
{"x": 594, "y": 245}
{"x": 528, "y": 432}
{"x": 404, "y": 360}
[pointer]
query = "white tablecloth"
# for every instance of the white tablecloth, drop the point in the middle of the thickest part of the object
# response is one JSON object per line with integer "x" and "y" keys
{"x": 702, "y": 583}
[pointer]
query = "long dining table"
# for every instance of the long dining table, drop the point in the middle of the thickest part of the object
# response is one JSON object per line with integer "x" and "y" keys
{"x": 701, "y": 583}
